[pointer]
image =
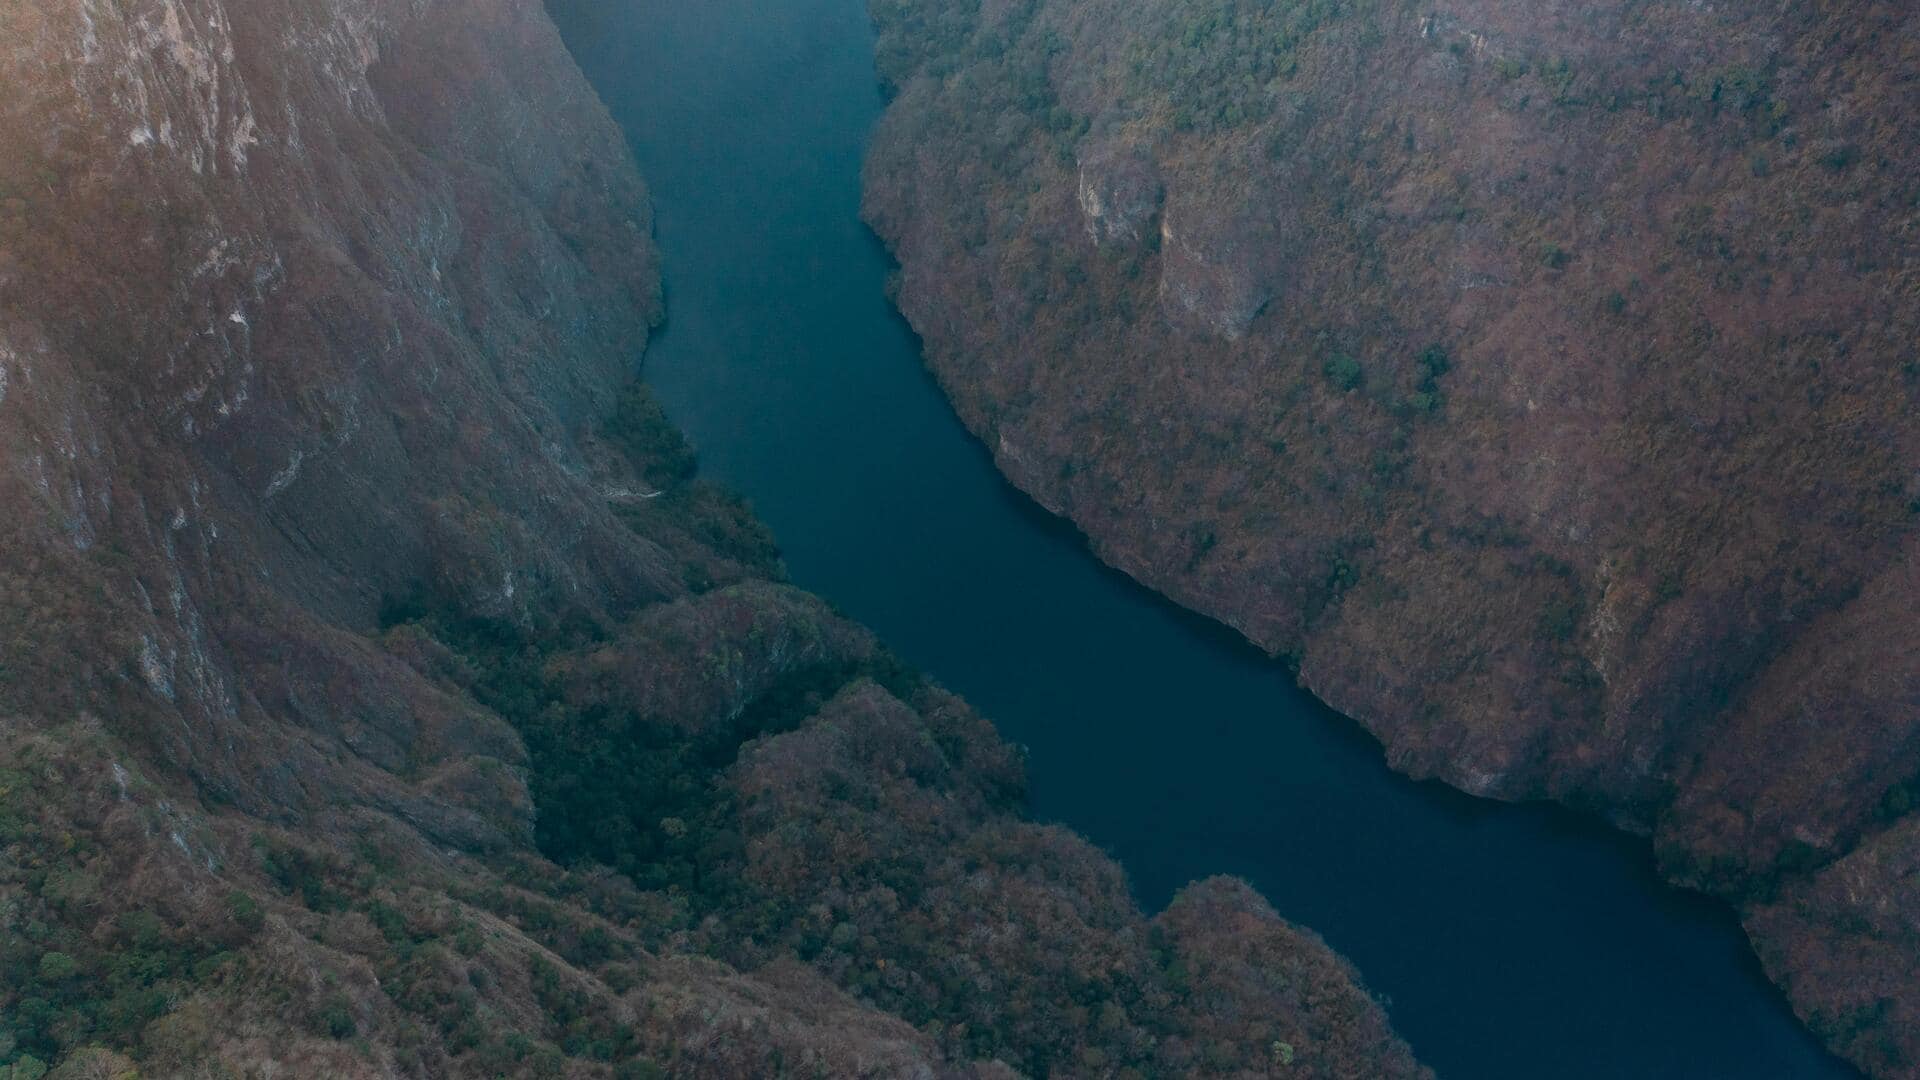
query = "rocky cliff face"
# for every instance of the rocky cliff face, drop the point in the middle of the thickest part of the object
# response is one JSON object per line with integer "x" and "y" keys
{"x": 349, "y": 577}
{"x": 1540, "y": 377}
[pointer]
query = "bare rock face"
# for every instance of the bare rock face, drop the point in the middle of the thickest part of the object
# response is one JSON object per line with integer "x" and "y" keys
{"x": 1219, "y": 265}
{"x": 1120, "y": 192}
{"x": 259, "y": 329}
{"x": 356, "y": 718}
{"x": 1539, "y": 376}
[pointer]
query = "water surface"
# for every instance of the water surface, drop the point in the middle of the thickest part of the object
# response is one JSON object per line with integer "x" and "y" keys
{"x": 1508, "y": 941}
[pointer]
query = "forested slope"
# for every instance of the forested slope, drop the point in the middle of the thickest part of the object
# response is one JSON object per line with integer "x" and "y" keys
{"x": 1539, "y": 377}
{"x": 381, "y": 692}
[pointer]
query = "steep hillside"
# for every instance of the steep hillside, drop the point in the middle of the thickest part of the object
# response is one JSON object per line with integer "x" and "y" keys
{"x": 1540, "y": 377}
{"x": 380, "y": 691}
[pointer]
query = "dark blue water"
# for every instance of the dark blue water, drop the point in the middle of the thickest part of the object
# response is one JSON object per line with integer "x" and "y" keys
{"x": 1510, "y": 941}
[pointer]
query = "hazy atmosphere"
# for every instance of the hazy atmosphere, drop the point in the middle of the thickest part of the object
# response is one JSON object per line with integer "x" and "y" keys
{"x": 959, "y": 538}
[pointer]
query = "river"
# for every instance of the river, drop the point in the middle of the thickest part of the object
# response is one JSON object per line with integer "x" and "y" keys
{"x": 1508, "y": 941}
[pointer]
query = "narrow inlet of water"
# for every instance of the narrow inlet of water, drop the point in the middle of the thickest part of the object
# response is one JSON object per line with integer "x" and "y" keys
{"x": 1508, "y": 941}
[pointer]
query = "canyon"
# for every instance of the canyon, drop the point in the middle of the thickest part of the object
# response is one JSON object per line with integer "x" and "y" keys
{"x": 382, "y": 691}
{"x": 1537, "y": 379}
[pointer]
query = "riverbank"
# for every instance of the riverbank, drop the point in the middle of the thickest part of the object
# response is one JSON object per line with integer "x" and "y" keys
{"x": 1511, "y": 941}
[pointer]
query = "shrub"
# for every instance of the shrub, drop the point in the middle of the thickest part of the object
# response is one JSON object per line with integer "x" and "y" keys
{"x": 1558, "y": 75}
{"x": 57, "y": 967}
{"x": 1344, "y": 372}
{"x": 1560, "y": 620}
{"x": 1899, "y": 799}
{"x": 640, "y": 428}
{"x": 245, "y": 912}
{"x": 335, "y": 1018}
{"x": 26, "y": 1067}
{"x": 301, "y": 873}
{"x": 1511, "y": 68}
